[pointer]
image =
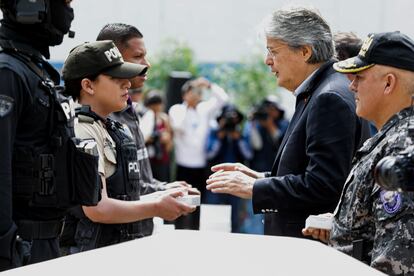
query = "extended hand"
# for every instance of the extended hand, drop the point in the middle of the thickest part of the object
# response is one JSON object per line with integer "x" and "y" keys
{"x": 182, "y": 184}
{"x": 169, "y": 208}
{"x": 235, "y": 183}
{"x": 318, "y": 234}
{"x": 236, "y": 167}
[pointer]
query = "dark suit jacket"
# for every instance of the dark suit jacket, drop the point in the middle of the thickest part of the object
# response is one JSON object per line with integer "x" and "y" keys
{"x": 314, "y": 157}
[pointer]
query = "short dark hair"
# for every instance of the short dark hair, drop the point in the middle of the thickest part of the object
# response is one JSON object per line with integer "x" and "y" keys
{"x": 119, "y": 33}
{"x": 153, "y": 97}
{"x": 73, "y": 87}
{"x": 347, "y": 44}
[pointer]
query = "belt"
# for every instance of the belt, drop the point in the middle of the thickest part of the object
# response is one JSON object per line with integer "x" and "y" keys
{"x": 40, "y": 230}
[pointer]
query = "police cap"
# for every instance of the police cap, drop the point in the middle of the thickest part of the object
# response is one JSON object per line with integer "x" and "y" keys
{"x": 100, "y": 57}
{"x": 391, "y": 49}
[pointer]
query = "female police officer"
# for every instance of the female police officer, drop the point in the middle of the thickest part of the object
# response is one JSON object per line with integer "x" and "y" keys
{"x": 97, "y": 76}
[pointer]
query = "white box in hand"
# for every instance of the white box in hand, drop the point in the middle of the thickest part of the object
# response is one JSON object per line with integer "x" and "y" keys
{"x": 319, "y": 222}
{"x": 193, "y": 200}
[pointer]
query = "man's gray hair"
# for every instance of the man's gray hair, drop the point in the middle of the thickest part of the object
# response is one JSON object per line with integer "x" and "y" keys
{"x": 299, "y": 26}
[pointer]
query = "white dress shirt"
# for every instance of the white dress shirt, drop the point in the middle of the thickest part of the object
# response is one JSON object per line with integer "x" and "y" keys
{"x": 191, "y": 125}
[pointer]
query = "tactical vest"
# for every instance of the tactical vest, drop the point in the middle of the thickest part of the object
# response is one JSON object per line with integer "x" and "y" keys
{"x": 57, "y": 174}
{"x": 122, "y": 185}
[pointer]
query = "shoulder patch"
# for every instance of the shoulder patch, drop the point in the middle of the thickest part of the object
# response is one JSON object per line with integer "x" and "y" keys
{"x": 6, "y": 105}
{"x": 391, "y": 201}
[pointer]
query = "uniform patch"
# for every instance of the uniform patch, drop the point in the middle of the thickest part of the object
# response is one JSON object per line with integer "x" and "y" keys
{"x": 6, "y": 105}
{"x": 391, "y": 201}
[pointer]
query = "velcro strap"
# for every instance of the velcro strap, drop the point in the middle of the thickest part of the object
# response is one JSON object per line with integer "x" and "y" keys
{"x": 40, "y": 230}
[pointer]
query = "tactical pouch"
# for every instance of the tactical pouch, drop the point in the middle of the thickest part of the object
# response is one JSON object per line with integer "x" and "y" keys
{"x": 77, "y": 180}
{"x": 87, "y": 234}
{"x": 60, "y": 175}
{"x": 85, "y": 177}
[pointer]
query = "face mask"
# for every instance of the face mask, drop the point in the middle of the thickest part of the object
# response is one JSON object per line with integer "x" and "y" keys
{"x": 62, "y": 15}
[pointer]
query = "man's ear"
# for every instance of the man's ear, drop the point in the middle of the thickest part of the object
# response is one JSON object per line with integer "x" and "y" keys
{"x": 391, "y": 81}
{"x": 306, "y": 51}
{"x": 87, "y": 86}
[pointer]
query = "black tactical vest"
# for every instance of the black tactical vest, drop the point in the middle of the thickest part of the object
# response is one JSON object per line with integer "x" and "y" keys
{"x": 122, "y": 185}
{"x": 56, "y": 174}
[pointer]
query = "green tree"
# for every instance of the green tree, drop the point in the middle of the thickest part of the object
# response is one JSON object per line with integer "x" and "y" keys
{"x": 247, "y": 82}
{"x": 174, "y": 56}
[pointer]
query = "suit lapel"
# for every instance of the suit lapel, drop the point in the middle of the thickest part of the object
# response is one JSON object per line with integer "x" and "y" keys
{"x": 300, "y": 107}
{"x": 302, "y": 100}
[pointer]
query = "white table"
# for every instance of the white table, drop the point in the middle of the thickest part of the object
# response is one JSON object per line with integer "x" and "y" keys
{"x": 184, "y": 252}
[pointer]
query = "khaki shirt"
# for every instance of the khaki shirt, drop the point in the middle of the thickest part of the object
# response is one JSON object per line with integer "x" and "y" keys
{"x": 105, "y": 144}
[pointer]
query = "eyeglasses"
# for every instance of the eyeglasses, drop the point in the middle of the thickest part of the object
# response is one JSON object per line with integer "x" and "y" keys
{"x": 271, "y": 53}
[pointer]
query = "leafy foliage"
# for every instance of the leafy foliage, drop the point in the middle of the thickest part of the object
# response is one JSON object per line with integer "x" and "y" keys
{"x": 247, "y": 82}
{"x": 174, "y": 56}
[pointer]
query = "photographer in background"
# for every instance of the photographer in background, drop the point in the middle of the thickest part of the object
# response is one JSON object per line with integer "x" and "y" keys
{"x": 190, "y": 123}
{"x": 265, "y": 132}
{"x": 226, "y": 143}
{"x": 159, "y": 141}
{"x": 371, "y": 223}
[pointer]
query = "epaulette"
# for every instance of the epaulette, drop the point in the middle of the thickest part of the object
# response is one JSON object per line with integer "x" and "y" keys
{"x": 86, "y": 115}
{"x": 85, "y": 119}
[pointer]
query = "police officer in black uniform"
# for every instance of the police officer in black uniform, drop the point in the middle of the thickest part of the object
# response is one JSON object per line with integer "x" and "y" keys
{"x": 36, "y": 130}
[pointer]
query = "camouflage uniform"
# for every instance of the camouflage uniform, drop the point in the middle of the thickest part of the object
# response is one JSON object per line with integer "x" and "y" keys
{"x": 383, "y": 219}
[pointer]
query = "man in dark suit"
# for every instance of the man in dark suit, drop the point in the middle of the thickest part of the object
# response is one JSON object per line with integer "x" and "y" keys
{"x": 315, "y": 155}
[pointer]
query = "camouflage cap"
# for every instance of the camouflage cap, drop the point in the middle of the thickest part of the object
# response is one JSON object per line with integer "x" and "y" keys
{"x": 391, "y": 49}
{"x": 99, "y": 57}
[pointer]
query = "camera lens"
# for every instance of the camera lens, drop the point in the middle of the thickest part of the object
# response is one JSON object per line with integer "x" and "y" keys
{"x": 385, "y": 174}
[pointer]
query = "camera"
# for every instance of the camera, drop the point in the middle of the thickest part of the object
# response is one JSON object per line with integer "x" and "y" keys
{"x": 396, "y": 173}
{"x": 230, "y": 122}
{"x": 260, "y": 113}
{"x": 229, "y": 118}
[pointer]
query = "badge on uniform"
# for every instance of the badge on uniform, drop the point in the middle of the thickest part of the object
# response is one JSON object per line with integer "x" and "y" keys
{"x": 6, "y": 105}
{"x": 391, "y": 201}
